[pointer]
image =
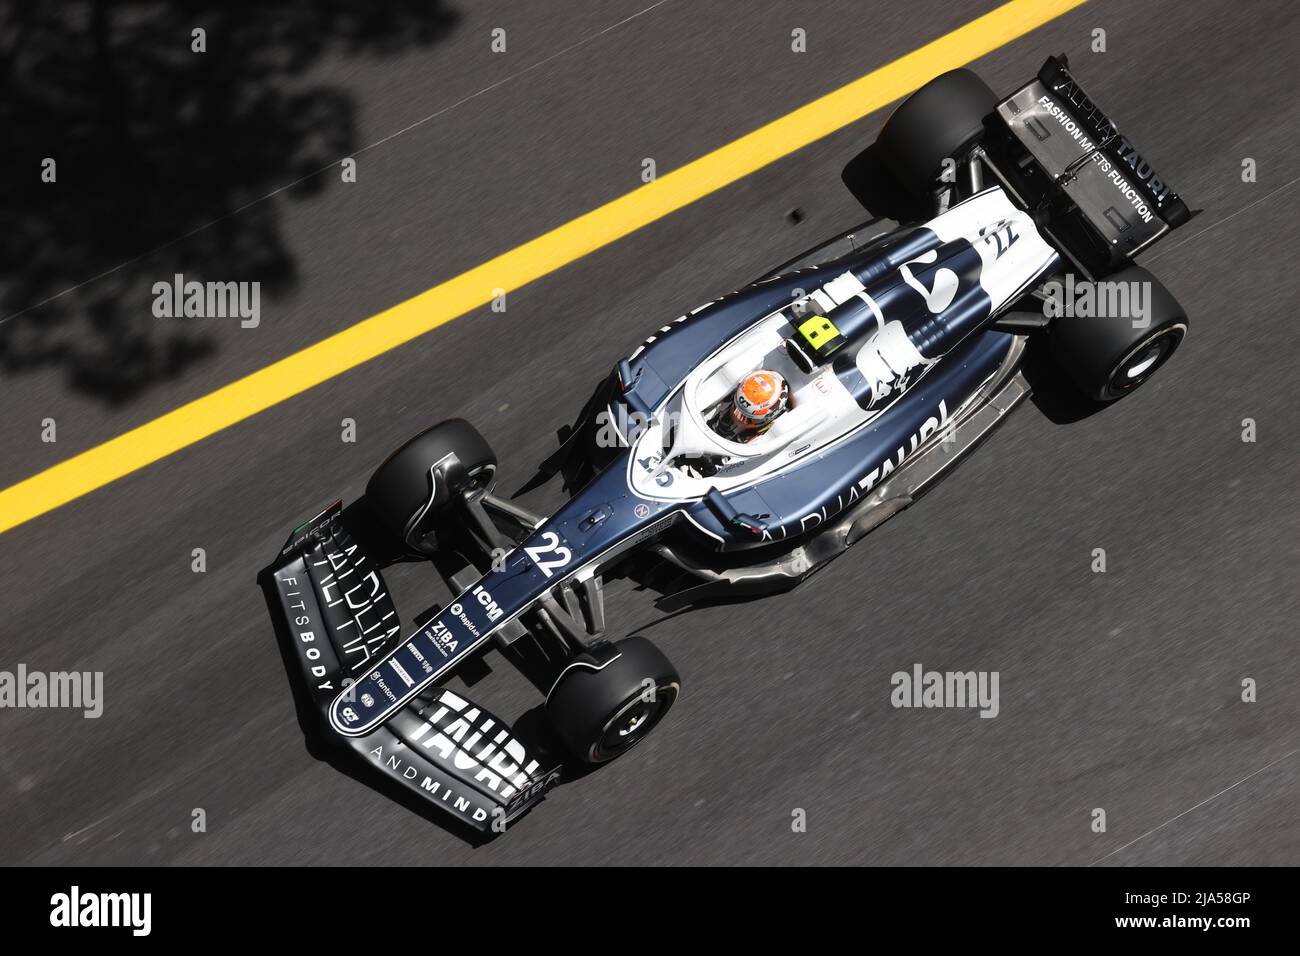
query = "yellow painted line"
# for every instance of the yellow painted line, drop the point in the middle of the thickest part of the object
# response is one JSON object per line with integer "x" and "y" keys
{"x": 346, "y": 350}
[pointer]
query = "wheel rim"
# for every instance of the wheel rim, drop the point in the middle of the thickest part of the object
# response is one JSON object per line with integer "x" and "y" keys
{"x": 1143, "y": 360}
{"x": 632, "y": 722}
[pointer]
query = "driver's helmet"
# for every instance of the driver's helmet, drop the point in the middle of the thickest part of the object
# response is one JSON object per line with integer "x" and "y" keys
{"x": 760, "y": 397}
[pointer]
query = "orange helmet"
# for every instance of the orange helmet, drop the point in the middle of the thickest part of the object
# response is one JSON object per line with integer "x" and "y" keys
{"x": 759, "y": 398}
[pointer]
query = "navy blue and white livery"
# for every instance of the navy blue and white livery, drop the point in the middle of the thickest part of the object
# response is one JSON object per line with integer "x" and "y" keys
{"x": 899, "y": 347}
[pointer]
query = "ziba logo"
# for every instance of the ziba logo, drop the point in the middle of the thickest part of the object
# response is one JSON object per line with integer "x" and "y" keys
{"x": 76, "y": 909}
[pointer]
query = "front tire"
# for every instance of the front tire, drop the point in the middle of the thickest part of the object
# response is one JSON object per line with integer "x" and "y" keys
{"x": 1108, "y": 356}
{"x": 425, "y": 475}
{"x": 600, "y": 711}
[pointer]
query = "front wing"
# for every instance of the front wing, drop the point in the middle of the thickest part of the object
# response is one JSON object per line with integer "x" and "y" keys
{"x": 442, "y": 747}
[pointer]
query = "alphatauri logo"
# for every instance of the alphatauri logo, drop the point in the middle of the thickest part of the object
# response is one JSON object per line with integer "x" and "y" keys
{"x": 76, "y": 909}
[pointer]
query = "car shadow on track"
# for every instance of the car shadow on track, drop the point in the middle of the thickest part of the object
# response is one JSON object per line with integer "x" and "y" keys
{"x": 1057, "y": 398}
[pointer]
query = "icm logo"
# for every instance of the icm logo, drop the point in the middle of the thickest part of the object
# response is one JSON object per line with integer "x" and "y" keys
{"x": 76, "y": 909}
{"x": 484, "y": 598}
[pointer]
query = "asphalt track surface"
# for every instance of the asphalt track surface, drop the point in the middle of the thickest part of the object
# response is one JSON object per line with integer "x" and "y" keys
{"x": 1118, "y": 690}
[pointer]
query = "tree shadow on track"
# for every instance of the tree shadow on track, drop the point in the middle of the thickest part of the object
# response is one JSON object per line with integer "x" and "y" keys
{"x": 152, "y": 142}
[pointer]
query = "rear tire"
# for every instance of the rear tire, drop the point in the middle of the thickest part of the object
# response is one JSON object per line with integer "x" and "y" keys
{"x": 421, "y": 478}
{"x": 942, "y": 120}
{"x": 600, "y": 714}
{"x": 1107, "y": 356}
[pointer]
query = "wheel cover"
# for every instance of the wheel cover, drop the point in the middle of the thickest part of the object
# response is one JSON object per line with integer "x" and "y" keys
{"x": 1143, "y": 359}
{"x": 632, "y": 722}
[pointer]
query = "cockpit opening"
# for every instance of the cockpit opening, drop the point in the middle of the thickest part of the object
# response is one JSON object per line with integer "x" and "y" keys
{"x": 752, "y": 407}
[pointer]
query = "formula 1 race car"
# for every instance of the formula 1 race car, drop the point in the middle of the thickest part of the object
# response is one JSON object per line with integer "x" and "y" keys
{"x": 742, "y": 446}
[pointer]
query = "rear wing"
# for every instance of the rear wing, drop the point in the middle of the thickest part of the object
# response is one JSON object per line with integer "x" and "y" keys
{"x": 1102, "y": 200}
